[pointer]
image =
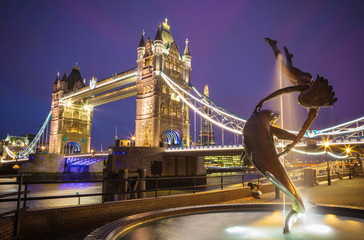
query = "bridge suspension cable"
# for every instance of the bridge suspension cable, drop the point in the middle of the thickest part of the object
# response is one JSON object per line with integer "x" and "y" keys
{"x": 37, "y": 137}
{"x": 219, "y": 115}
{"x": 33, "y": 143}
{"x": 344, "y": 128}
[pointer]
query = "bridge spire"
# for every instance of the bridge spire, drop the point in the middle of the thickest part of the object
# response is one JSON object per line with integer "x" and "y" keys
{"x": 142, "y": 42}
{"x": 165, "y": 24}
{"x": 57, "y": 79}
{"x": 187, "y": 50}
{"x": 158, "y": 36}
{"x": 64, "y": 78}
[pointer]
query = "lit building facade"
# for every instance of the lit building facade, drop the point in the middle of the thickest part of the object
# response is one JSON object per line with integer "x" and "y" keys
{"x": 162, "y": 119}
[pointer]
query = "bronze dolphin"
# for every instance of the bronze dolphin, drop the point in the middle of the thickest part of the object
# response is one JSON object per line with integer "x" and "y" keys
{"x": 260, "y": 148}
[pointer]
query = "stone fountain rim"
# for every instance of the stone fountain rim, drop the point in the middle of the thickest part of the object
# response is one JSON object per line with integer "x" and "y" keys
{"x": 116, "y": 228}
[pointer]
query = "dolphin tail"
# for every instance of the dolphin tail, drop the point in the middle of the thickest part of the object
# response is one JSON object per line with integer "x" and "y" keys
{"x": 297, "y": 204}
{"x": 290, "y": 220}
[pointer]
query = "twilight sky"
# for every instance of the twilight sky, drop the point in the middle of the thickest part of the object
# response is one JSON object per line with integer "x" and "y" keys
{"x": 226, "y": 39}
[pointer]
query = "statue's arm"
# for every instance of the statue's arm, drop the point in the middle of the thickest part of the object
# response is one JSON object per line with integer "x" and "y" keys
{"x": 283, "y": 134}
{"x": 306, "y": 125}
{"x": 297, "y": 88}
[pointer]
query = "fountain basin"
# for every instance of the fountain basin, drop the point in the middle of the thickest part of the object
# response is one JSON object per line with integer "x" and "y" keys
{"x": 235, "y": 221}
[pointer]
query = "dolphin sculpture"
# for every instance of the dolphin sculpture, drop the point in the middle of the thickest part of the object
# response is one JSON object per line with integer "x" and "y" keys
{"x": 259, "y": 148}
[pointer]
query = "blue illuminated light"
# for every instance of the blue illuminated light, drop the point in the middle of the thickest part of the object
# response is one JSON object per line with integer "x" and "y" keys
{"x": 173, "y": 137}
{"x": 123, "y": 153}
{"x": 117, "y": 153}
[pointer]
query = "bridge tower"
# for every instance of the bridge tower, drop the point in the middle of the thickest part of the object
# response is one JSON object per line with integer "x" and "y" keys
{"x": 161, "y": 117}
{"x": 70, "y": 124}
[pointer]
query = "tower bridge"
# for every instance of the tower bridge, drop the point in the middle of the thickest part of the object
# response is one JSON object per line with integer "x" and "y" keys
{"x": 165, "y": 97}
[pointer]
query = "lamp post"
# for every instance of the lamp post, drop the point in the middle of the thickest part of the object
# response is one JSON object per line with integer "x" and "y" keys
{"x": 328, "y": 164}
{"x": 348, "y": 150}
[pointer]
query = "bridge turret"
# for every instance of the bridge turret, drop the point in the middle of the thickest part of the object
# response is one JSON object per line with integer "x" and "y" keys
{"x": 158, "y": 41}
{"x": 141, "y": 47}
{"x": 186, "y": 58}
{"x": 70, "y": 124}
{"x": 74, "y": 80}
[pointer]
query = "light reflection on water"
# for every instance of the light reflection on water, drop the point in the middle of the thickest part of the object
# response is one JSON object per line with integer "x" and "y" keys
{"x": 248, "y": 225}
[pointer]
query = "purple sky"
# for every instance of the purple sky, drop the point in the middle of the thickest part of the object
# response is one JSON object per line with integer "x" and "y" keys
{"x": 39, "y": 38}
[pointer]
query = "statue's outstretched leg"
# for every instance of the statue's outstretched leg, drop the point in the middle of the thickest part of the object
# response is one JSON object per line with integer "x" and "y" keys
{"x": 289, "y": 57}
{"x": 273, "y": 45}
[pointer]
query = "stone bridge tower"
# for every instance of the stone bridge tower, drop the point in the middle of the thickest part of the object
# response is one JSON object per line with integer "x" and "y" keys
{"x": 161, "y": 117}
{"x": 70, "y": 124}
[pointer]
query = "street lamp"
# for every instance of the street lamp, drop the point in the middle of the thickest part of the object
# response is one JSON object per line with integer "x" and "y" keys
{"x": 328, "y": 164}
{"x": 348, "y": 150}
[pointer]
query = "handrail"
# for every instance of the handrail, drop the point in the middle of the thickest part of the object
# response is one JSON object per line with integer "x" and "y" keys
{"x": 154, "y": 181}
{"x": 19, "y": 193}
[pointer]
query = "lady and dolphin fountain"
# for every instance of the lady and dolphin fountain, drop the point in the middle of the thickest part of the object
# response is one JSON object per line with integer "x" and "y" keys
{"x": 259, "y": 132}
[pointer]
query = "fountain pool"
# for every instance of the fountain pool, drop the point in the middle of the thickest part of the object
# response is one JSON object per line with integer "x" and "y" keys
{"x": 235, "y": 221}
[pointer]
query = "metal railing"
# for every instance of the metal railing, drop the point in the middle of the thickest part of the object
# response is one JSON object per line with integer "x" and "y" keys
{"x": 156, "y": 187}
{"x": 15, "y": 212}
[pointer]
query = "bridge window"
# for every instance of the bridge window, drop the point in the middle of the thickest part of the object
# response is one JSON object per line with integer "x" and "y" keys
{"x": 74, "y": 129}
{"x": 148, "y": 90}
{"x": 143, "y": 90}
{"x": 164, "y": 90}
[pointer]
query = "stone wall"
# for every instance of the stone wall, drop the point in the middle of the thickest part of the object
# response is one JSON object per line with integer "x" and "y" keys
{"x": 6, "y": 229}
{"x": 55, "y": 164}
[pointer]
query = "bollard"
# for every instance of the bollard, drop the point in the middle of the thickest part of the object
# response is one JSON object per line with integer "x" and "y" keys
{"x": 141, "y": 185}
{"x": 124, "y": 175}
{"x": 309, "y": 177}
{"x": 79, "y": 198}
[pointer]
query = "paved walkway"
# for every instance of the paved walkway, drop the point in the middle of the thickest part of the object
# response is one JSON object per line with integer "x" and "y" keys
{"x": 348, "y": 192}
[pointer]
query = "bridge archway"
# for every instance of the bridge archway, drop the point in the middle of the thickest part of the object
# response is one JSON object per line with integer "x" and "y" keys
{"x": 72, "y": 148}
{"x": 171, "y": 138}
